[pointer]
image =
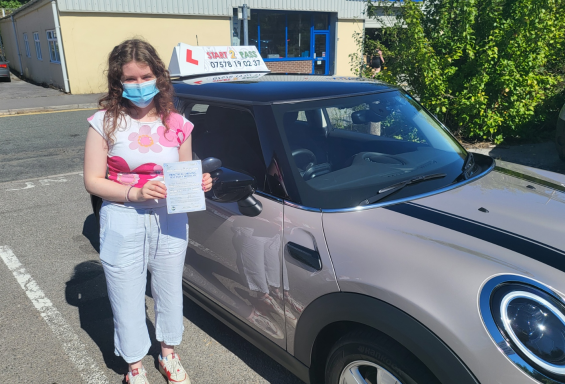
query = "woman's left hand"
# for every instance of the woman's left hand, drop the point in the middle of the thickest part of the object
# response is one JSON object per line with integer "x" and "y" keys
{"x": 206, "y": 182}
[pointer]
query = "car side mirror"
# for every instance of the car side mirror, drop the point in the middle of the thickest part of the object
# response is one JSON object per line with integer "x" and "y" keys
{"x": 232, "y": 186}
{"x": 210, "y": 164}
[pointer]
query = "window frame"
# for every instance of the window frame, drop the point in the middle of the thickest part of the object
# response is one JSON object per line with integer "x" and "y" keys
{"x": 286, "y": 13}
{"x": 26, "y": 44}
{"x": 37, "y": 43}
{"x": 54, "y": 54}
{"x": 189, "y": 103}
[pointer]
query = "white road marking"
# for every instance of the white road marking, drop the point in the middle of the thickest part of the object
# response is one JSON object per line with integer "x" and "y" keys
{"x": 42, "y": 177}
{"x": 74, "y": 348}
{"x": 29, "y": 185}
{"x": 43, "y": 182}
{"x": 49, "y": 181}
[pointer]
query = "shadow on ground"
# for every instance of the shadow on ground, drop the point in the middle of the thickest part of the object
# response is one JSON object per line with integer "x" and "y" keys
{"x": 87, "y": 291}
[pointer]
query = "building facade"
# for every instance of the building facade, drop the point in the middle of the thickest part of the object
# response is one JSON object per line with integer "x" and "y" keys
{"x": 66, "y": 43}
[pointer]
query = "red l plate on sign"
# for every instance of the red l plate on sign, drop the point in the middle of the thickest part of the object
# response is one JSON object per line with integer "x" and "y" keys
{"x": 189, "y": 58}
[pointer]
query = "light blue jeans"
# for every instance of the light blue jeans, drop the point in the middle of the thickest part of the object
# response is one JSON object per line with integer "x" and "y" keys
{"x": 136, "y": 238}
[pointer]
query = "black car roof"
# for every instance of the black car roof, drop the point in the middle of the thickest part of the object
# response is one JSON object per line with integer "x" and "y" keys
{"x": 281, "y": 88}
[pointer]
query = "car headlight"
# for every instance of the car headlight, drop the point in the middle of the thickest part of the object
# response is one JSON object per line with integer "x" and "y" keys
{"x": 527, "y": 321}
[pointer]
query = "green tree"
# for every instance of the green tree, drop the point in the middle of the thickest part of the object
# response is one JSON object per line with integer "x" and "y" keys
{"x": 11, "y": 4}
{"x": 490, "y": 69}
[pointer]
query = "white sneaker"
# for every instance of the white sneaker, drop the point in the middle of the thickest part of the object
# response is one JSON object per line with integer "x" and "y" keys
{"x": 173, "y": 370}
{"x": 137, "y": 376}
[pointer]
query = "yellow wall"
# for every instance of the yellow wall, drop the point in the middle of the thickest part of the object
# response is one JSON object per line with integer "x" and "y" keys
{"x": 88, "y": 39}
{"x": 346, "y": 45}
{"x": 37, "y": 18}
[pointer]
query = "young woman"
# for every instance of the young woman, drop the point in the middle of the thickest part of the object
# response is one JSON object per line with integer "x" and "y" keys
{"x": 129, "y": 139}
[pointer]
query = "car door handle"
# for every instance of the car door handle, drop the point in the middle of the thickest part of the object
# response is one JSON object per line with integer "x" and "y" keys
{"x": 305, "y": 255}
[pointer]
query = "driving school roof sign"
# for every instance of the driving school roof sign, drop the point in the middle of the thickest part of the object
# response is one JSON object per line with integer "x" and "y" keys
{"x": 192, "y": 61}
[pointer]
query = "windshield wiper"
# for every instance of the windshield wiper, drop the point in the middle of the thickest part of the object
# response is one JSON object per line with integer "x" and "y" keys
{"x": 384, "y": 192}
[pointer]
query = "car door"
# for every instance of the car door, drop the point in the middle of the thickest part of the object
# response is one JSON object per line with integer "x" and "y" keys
{"x": 234, "y": 259}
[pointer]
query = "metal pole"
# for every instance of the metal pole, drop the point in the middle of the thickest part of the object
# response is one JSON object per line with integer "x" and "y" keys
{"x": 245, "y": 27}
{"x": 17, "y": 45}
{"x": 60, "y": 45}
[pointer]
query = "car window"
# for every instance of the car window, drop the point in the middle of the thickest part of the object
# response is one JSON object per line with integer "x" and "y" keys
{"x": 345, "y": 150}
{"x": 230, "y": 135}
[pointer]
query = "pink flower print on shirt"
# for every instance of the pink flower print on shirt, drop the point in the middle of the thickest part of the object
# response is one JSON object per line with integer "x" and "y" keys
{"x": 167, "y": 137}
{"x": 127, "y": 178}
{"x": 185, "y": 132}
{"x": 144, "y": 140}
{"x": 119, "y": 171}
{"x": 153, "y": 170}
{"x": 178, "y": 131}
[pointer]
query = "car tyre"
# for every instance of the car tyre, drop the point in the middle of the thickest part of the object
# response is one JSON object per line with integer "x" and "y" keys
{"x": 361, "y": 356}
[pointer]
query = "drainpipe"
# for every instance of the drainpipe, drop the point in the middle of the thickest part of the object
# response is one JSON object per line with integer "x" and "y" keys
{"x": 60, "y": 45}
{"x": 245, "y": 25}
{"x": 17, "y": 45}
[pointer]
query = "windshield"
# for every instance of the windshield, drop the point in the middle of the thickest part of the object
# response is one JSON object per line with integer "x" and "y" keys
{"x": 343, "y": 151}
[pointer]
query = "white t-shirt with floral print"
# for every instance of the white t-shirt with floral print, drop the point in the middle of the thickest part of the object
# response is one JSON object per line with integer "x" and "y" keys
{"x": 140, "y": 149}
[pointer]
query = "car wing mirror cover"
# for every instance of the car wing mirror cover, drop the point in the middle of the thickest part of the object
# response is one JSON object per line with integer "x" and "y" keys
{"x": 210, "y": 164}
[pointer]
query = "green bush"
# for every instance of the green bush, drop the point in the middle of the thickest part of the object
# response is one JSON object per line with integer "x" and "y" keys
{"x": 489, "y": 69}
{"x": 11, "y": 4}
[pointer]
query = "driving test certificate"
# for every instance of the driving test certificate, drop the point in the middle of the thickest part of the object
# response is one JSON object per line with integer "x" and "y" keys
{"x": 184, "y": 186}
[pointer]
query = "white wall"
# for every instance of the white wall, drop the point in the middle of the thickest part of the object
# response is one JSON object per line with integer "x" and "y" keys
{"x": 37, "y": 18}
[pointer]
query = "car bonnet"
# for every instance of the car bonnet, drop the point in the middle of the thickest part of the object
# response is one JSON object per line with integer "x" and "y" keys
{"x": 518, "y": 208}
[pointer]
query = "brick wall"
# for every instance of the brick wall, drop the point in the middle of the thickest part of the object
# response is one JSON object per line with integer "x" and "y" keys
{"x": 299, "y": 66}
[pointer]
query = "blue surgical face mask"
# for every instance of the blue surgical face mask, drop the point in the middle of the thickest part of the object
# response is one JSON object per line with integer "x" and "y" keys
{"x": 140, "y": 94}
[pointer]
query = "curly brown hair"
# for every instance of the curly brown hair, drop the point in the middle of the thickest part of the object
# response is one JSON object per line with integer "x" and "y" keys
{"x": 117, "y": 106}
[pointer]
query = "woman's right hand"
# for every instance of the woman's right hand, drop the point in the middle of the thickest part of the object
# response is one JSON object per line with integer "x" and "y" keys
{"x": 151, "y": 190}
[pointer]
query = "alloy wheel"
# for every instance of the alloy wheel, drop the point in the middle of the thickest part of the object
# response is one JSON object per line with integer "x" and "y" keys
{"x": 365, "y": 372}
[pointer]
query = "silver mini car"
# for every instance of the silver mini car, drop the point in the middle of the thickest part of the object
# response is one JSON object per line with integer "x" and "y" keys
{"x": 350, "y": 237}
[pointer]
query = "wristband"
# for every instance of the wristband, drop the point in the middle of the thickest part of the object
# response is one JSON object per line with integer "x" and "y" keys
{"x": 127, "y": 194}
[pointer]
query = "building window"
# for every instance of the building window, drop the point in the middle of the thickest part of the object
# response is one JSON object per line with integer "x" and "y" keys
{"x": 26, "y": 43}
{"x": 279, "y": 35}
{"x": 53, "y": 46}
{"x": 37, "y": 46}
{"x": 292, "y": 42}
{"x": 273, "y": 35}
{"x": 298, "y": 35}
{"x": 321, "y": 21}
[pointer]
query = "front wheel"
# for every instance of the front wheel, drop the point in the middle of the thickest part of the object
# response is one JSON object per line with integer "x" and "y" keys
{"x": 370, "y": 357}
